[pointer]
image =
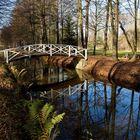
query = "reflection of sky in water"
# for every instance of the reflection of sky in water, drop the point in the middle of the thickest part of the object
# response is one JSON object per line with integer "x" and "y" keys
{"x": 124, "y": 106}
{"x": 96, "y": 109}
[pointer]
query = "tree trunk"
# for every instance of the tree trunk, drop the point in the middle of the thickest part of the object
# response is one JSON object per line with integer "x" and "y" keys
{"x": 114, "y": 23}
{"x": 80, "y": 23}
{"x": 106, "y": 28}
{"x": 116, "y": 27}
{"x": 87, "y": 23}
{"x": 95, "y": 40}
{"x": 45, "y": 36}
{"x": 126, "y": 36}
{"x": 135, "y": 30}
{"x": 95, "y": 29}
{"x": 62, "y": 23}
{"x": 57, "y": 24}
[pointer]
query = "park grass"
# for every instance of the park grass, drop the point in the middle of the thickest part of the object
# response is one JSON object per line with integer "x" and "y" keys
{"x": 121, "y": 53}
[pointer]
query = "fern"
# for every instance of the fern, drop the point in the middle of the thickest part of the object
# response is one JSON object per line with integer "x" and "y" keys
{"x": 49, "y": 119}
{"x": 17, "y": 77}
{"x": 57, "y": 118}
{"x": 42, "y": 122}
{"x": 45, "y": 112}
{"x": 34, "y": 108}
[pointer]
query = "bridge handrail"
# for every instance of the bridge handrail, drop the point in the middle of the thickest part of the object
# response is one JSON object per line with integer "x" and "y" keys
{"x": 50, "y": 49}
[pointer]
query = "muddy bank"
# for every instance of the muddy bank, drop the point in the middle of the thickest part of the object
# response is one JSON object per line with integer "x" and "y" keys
{"x": 123, "y": 73}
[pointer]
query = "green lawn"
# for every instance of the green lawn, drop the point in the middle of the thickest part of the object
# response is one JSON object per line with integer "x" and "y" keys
{"x": 122, "y": 53}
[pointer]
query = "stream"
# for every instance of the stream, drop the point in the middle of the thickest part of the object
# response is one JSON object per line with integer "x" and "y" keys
{"x": 93, "y": 109}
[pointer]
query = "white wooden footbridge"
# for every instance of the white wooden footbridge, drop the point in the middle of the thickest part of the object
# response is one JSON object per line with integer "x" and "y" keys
{"x": 49, "y": 49}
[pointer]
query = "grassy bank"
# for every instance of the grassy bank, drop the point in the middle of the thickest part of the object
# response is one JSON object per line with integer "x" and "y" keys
{"x": 121, "y": 53}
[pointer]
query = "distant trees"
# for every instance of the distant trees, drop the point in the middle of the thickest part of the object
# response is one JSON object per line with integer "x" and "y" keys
{"x": 97, "y": 18}
{"x": 78, "y": 22}
{"x": 114, "y": 15}
{"x": 83, "y": 22}
{"x": 43, "y": 21}
{"x": 131, "y": 12}
{"x": 106, "y": 27}
{"x": 69, "y": 31}
{"x": 68, "y": 21}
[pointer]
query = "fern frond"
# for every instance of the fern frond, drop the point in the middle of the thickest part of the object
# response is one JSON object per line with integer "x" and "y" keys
{"x": 57, "y": 118}
{"x": 46, "y": 111}
{"x": 52, "y": 121}
{"x": 34, "y": 108}
{"x": 21, "y": 74}
{"x": 43, "y": 122}
{"x": 49, "y": 126}
{"x": 44, "y": 135}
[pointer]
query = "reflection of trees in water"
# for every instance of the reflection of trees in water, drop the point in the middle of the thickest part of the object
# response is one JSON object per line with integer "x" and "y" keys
{"x": 137, "y": 122}
{"x": 102, "y": 114}
{"x": 38, "y": 71}
{"x": 33, "y": 66}
{"x": 99, "y": 111}
{"x": 130, "y": 116}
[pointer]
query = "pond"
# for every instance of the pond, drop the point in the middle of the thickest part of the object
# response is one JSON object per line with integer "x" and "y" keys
{"x": 93, "y": 109}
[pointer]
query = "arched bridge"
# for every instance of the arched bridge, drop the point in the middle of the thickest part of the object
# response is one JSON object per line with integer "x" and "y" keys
{"x": 49, "y": 49}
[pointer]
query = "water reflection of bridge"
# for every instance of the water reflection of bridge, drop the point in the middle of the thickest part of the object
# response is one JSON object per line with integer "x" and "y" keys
{"x": 66, "y": 90}
{"x": 40, "y": 49}
{"x": 101, "y": 109}
{"x": 68, "y": 86}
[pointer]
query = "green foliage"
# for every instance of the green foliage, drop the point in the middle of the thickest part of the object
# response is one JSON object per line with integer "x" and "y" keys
{"x": 16, "y": 76}
{"x": 42, "y": 120}
{"x": 70, "y": 32}
{"x": 19, "y": 75}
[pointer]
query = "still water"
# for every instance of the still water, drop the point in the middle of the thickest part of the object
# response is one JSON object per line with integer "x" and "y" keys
{"x": 94, "y": 109}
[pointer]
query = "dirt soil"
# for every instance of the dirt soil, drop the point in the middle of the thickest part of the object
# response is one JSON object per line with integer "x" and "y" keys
{"x": 9, "y": 118}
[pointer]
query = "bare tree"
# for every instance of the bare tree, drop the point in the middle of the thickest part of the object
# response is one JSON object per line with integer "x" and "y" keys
{"x": 106, "y": 27}
{"x": 80, "y": 23}
{"x": 131, "y": 8}
{"x": 114, "y": 15}
{"x": 97, "y": 18}
{"x": 87, "y": 23}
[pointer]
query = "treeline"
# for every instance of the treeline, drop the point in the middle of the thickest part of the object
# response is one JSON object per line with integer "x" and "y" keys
{"x": 77, "y": 22}
{"x": 44, "y": 21}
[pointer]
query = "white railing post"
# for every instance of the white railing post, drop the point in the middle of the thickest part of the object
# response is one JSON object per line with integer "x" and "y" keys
{"x": 6, "y": 56}
{"x": 29, "y": 49}
{"x": 50, "y": 50}
{"x": 86, "y": 84}
{"x": 24, "y": 48}
{"x": 69, "y": 51}
{"x": 44, "y": 48}
{"x": 75, "y": 51}
{"x": 69, "y": 90}
{"x": 60, "y": 49}
{"x": 85, "y": 54}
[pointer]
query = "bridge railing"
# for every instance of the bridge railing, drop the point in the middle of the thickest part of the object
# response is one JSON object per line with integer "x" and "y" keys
{"x": 50, "y": 49}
